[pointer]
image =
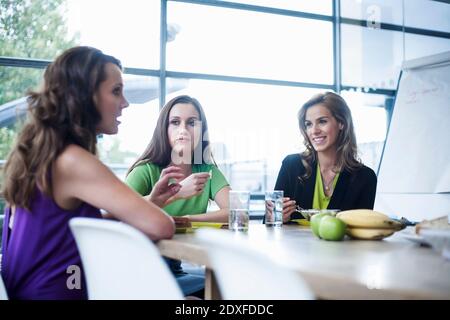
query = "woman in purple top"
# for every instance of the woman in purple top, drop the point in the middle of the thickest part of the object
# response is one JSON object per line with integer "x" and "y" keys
{"x": 53, "y": 175}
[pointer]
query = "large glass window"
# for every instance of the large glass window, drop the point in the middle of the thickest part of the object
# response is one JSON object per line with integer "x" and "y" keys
{"x": 251, "y": 127}
{"x": 437, "y": 16}
{"x": 128, "y": 29}
{"x": 240, "y": 43}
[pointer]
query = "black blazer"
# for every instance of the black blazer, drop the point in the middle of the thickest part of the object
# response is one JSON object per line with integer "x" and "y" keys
{"x": 354, "y": 190}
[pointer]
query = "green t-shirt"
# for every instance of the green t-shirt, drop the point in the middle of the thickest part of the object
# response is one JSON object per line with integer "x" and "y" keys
{"x": 320, "y": 200}
{"x": 144, "y": 177}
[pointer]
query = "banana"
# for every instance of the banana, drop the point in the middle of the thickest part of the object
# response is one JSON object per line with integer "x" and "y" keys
{"x": 369, "y": 234}
{"x": 364, "y": 218}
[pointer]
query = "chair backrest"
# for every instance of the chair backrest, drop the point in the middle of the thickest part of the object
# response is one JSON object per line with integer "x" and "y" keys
{"x": 246, "y": 272}
{"x": 120, "y": 262}
{"x": 3, "y": 294}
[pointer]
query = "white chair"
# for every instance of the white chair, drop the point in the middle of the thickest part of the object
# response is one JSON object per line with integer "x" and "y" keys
{"x": 120, "y": 262}
{"x": 244, "y": 272}
{"x": 3, "y": 294}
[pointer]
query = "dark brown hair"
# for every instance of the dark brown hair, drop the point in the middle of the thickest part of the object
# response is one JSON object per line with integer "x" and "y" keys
{"x": 347, "y": 152}
{"x": 159, "y": 150}
{"x": 63, "y": 112}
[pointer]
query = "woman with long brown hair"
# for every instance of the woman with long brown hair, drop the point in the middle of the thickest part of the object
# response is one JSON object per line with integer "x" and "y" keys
{"x": 52, "y": 175}
{"x": 180, "y": 139}
{"x": 328, "y": 174}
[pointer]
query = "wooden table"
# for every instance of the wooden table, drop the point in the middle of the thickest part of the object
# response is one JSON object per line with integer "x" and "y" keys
{"x": 393, "y": 268}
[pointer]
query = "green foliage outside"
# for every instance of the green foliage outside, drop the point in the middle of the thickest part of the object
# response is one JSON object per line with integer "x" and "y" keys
{"x": 28, "y": 29}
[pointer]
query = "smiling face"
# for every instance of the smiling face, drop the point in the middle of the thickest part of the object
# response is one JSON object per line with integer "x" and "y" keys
{"x": 185, "y": 128}
{"x": 322, "y": 128}
{"x": 110, "y": 100}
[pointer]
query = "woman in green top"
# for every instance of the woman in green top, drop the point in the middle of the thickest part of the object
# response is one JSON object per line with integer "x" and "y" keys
{"x": 329, "y": 174}
{"x": 180, "y": 140}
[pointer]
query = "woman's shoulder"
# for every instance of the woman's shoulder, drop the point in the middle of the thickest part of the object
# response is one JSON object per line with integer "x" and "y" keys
{"x": 293, "y": 159}
{"x": 72, "y": 156}
{"x": 366, "y": 172}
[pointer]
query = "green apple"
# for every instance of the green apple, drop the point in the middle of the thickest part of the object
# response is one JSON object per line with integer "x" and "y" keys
{"x": 315, "y": 222}
{"x": 332, "y": 228}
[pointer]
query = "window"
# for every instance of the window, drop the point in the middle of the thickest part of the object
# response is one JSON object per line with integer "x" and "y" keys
{"x": 128, "y": 30}
{"x": 249, "y": 44}
{"x": 371, "y": 57}
{"x": 417, "y": 46}
{"x": 253, "y": 126}
{"x": 437, "y": 15}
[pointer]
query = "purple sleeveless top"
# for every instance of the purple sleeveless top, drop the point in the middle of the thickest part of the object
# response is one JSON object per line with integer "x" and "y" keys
{"x": 38, "y": 251}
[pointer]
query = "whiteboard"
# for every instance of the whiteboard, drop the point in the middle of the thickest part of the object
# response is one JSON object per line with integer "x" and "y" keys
{"x": 416, "y": 156}
{"x": 414, "y": 173}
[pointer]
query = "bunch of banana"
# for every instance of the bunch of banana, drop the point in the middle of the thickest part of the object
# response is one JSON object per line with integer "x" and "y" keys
{"x": 368, "y": 224}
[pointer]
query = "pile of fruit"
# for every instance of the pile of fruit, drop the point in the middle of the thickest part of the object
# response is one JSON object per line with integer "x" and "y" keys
{"x": 358, "y": 224}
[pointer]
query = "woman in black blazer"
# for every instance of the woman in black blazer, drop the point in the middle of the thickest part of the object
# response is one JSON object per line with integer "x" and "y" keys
{"x": 329, "y": 173}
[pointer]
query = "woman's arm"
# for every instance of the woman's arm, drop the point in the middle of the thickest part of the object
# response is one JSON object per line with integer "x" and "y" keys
{"x": 221, "y": 215}
{"x": 79, "y": 175}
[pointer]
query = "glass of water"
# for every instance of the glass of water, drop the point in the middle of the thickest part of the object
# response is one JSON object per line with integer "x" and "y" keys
{"x": 239, "y": 206}
{"x": 274, "y": 208}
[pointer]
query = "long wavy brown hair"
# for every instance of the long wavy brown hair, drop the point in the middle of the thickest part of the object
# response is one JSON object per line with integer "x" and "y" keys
{"x": 159, "y": 151}
{"x": 63, "y": 112}
{"x": 347, "y": 151}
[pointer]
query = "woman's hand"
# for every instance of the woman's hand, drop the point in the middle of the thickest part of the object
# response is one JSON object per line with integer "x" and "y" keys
{"x": 289, "y": 207}
{"x": 163, "y": 192}
{"x": 192, "y": 185}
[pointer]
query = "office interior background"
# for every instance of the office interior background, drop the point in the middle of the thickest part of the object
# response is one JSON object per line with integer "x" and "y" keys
{"x": 251, "y": 64}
